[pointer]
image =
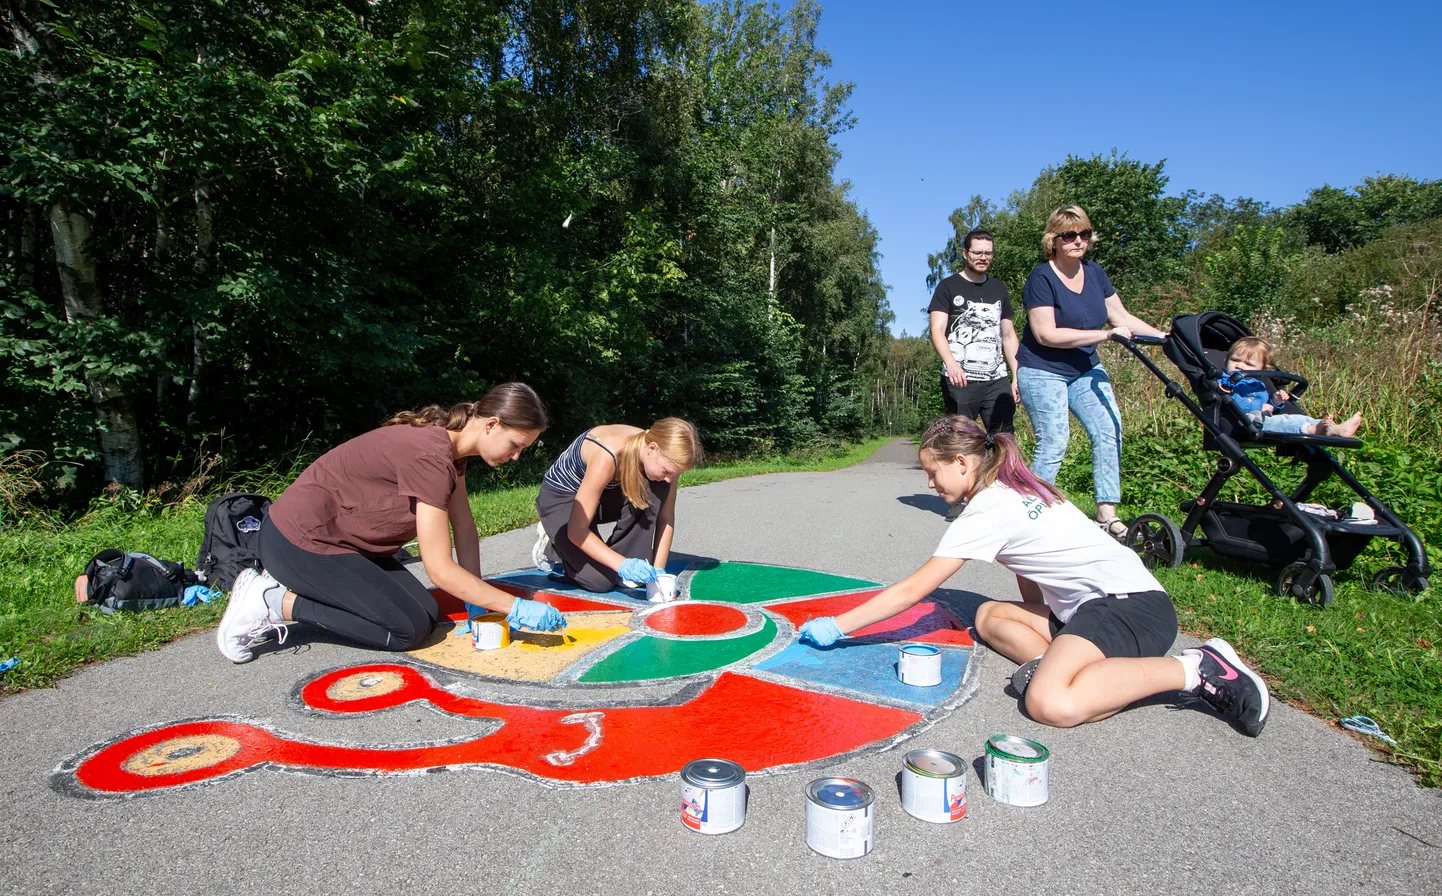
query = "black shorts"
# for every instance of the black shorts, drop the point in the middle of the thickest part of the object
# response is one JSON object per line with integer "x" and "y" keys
{"x": 1142, "y": 624}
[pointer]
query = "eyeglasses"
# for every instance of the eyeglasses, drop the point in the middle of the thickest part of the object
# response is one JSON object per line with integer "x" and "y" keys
{"x": 976, "y": 254}
{"x": 1071, "y": 235}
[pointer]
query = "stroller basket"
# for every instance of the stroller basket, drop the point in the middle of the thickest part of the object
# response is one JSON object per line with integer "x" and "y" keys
{"x": 1269, "y": 536}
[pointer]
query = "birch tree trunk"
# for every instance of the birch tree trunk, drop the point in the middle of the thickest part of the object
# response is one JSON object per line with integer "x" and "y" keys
{"x": 120, "y": 425}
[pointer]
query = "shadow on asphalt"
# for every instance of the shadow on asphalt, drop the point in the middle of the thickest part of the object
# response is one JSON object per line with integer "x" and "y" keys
{"x": 926, "y": 501}
{"x": 694, "y": 561}
{"x": 963, "y": 603}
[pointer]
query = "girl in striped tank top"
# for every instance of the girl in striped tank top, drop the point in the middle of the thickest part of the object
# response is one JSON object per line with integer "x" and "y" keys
{"x": 621, "y": 474}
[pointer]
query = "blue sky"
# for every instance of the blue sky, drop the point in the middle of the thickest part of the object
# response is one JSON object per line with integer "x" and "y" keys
{"x": 1256, "y": 99}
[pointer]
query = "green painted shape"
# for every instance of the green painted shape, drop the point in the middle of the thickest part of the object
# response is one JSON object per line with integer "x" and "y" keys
{"x": 648, "y": 657}
{"x": 749, "y": 583}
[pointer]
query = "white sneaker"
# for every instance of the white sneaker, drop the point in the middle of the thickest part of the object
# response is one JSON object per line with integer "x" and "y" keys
{"x": 538, "y": 551}
{"x": 247, "y": 620}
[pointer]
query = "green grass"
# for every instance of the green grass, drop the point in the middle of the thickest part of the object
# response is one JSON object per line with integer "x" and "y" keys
{"x": 1368, "y": 654}
{"x": 41, "y": 624}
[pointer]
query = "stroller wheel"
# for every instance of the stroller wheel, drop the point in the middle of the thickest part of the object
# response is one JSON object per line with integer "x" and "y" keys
{"x": 1157, "y": 540}
{"x": 1397, "y": 580}
{"x": 1321, "y": 594}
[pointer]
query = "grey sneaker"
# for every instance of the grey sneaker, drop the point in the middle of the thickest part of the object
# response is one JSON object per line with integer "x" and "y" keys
{"x": 1021, "y": 678}
{"x": 955, "y": 510}
{"x": 538, "y": 551}
{"x": 248, "y": 620}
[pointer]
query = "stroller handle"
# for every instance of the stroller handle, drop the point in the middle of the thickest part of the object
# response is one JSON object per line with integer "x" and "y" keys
{"x": 1138, "y": 339}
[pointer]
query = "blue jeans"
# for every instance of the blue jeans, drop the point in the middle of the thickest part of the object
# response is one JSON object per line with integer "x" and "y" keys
{"x": 1291, "y": 424}
{"x": 1048, "y": 397}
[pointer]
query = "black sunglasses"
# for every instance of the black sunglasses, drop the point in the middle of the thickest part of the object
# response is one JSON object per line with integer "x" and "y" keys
{"x": 1071, "y": 235}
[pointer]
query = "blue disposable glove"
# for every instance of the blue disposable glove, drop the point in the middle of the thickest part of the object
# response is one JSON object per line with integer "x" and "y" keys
{"x": 822, "y": 632}
{"x": 637, "y": 570}
{"x": 535, "y": 615}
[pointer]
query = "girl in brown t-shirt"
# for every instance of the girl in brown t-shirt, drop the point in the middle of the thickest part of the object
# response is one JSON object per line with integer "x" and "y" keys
{"x": 329, "y": 541}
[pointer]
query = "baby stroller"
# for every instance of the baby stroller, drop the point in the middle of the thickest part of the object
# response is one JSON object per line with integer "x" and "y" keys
{"x": 1307, "y": 546}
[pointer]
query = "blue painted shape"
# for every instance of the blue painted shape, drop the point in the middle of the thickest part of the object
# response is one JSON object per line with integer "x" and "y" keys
{"x": 531, "y": 580}
{"x": 865, "y": 669}
{"x": 535, "y": 580}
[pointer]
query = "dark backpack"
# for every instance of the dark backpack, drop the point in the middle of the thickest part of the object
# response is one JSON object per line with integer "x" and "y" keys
{"x": 116, "y": 580}
{"x": 232, "y": 538}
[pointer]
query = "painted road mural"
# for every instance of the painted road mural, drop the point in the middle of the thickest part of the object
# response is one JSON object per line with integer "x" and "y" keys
{"x": 630, "y": 690}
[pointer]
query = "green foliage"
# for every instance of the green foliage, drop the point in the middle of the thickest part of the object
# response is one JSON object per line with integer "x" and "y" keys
{"x": 1139, "y": 237}
{"x": 1247, "y": 275}
{"x": 420, "y": 199}
{"x": 1340, "y": 219}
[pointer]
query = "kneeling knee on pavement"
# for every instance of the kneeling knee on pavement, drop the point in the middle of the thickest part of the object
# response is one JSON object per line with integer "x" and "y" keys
{"x": 1052, "y": 706}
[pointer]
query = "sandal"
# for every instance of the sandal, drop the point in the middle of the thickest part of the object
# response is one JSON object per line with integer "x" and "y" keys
{"x": 1116, "y": 527}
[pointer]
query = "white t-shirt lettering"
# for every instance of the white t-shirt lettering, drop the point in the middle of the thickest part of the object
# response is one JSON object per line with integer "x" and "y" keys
{"x": 1056, "y": 546}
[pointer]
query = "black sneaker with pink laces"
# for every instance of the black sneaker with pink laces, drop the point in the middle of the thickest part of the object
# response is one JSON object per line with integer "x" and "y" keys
{"x": 1236, "y": 692}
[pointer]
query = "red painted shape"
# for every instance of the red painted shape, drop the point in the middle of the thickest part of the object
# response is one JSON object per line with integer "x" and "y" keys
{"x": 697, "y": 619}
{"x": 450, "y": 605}
{"x": 757, "y": 723}
{"x": 453, "y": 607}
{"x": 928, "y": 621}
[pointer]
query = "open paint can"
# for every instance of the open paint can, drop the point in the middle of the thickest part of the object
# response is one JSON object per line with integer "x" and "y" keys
{"x": 919, "y": 665}
{"x": 933, "y": 786}
{"x": 489, "y": 635}
{"x": 713, "y": 796}
{"x": 663, "y": 590}
{"x": 1017, "y": 770}
{"x": 839, "y": 813}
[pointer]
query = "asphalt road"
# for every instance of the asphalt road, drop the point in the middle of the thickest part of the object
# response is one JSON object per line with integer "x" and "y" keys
{"x": 1158, "y": 799}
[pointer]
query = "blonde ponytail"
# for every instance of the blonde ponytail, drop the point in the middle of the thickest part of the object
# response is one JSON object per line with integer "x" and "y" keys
{"x": 631, "y": 473}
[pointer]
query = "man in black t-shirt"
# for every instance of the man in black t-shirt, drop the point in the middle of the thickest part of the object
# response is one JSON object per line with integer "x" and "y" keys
{"x": 972, "y": 331}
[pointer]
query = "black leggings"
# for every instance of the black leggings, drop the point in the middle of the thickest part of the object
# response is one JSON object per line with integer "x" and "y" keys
{"x": 634, "y": 535}
{"x": 376, "y": 603}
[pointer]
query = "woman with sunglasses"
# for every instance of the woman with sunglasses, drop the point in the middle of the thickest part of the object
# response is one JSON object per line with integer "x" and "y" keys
{"x": 1069, "y": 303}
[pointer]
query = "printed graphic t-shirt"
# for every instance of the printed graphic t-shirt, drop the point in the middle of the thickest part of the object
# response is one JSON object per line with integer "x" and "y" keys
{"x": 973, "y": 324}
{"x": 360, "y": 497}
{"x": 1086, "y": 310}
{"x": 1066, "y": 554}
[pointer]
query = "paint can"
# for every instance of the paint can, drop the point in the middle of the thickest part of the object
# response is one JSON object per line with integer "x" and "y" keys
{"x": 919, "y": 665}
{"x": 839, "y": 813}
{"x": 489, "y": 635}
{"x": 1017, "y": 770}
{"x": 713, "y": 796}
{"x": 933, "y": 786}
{"x": 663, "y": 590}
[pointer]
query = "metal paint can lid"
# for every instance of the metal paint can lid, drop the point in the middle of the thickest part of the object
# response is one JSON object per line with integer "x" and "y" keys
{"x": 713, "y": 773}
{"x": 935, "y": 763}
{"x": 1017, "y": 749}
{"x": 840, "y": 793}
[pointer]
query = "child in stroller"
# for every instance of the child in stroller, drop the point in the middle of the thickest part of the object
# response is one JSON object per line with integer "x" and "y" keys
{"x": 1252, "y": 354}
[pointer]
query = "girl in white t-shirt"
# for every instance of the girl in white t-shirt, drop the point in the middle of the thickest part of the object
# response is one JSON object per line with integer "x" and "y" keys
{"x": 1093, "y": 627}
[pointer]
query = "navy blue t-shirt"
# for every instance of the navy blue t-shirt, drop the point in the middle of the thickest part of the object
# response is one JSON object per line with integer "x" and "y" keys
{"x": 1086, "y": 310}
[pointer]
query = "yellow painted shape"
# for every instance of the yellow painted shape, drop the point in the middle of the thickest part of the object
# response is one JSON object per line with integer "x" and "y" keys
{"x": 531, "y": 656}
{"x": 182, "y": 754}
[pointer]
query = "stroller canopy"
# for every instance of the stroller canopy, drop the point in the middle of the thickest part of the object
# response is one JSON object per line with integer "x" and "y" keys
{"x": 1198, "y": 343}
